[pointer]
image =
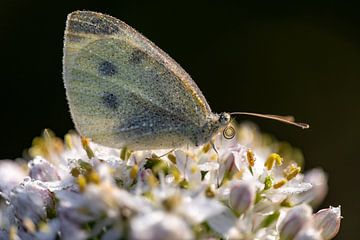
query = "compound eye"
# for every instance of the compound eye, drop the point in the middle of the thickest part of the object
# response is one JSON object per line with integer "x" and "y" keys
{"x": 224, "y": 118}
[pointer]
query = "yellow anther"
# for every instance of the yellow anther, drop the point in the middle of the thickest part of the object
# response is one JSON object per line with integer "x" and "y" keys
{"x": 38, "y": 148}
{"x": 68, "y": 141}
{"x": 94, "y": 177}
{"x": 280, "y": 183}
{"x": 194, "y": 169}
{"x": 172, "y": 158}
{"x": 86, "y": 145}
{"x": 250, "y": 157}
{"x": 279, "y": 160}
{"x": 274, "y": 157}
{"x": 210, "y": 192}
{"x": 176, "y": 173}
{"x": 286, "y": 203}
{"x": 149, "y": 195}
{"x": 46, "y": 145}
{"x": 206, "y": 148}
{"x": 291, "y": 171}
{"x": 160, "y": 166}
{"x": 29, "y": 225}
{"x": 152, "y": 181}
{"x": 44, "y": 227}
{"x": 125, "y": 153}
{"x": 269, "y": 163}
{"x": 81, "y": 182}
{"x": 184, "y": 184}
{"x": 75, "y": 172}
{"x": 134, "y": 171}
{"x": 13, "y": 233}
{"x": 214, "y": 157}
{"x": 171, "y": 202}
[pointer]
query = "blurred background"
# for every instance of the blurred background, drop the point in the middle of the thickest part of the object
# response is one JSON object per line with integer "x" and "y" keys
{"x": 299, "y": 59}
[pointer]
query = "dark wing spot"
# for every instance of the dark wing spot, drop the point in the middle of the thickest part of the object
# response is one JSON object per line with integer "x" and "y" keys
{"x": 136, "y": 56}
{"x": 110, "y": 100}
{"x": 94, "y": 23}
{"x": 106, "y": 68}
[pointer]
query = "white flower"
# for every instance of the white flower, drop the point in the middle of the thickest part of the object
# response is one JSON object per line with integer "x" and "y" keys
{"x": 249, "y": 187}
{"x": 11, "y": 174}
{"x": 161, "y": 226}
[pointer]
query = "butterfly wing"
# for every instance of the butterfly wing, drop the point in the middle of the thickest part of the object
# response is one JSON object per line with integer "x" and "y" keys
{"x": 123, "y": 90}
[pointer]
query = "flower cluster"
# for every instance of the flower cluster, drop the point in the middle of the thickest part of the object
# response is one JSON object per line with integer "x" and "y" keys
{"x": 248, "y": 187}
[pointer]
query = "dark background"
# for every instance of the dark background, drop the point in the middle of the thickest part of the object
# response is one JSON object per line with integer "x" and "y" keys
{"x": 281, "y": 58}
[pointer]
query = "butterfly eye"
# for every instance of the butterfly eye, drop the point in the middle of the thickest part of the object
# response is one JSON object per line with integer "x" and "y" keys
{"x": 229, "y": 132}
{"x": 224, "y": 118}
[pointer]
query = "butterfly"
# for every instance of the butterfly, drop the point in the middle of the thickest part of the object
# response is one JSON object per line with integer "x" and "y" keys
{"x": 124, "y": 91}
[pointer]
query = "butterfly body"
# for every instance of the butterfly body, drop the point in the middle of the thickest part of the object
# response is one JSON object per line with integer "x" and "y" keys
{"x": 123, "y": 91}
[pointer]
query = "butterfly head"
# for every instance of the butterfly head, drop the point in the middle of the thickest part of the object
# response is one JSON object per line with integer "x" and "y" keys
{"x": 224, "y": 119}
{"x": 211, "y": 127}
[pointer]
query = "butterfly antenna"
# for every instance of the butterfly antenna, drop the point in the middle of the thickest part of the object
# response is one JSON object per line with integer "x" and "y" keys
{"x": 285, "y": 119}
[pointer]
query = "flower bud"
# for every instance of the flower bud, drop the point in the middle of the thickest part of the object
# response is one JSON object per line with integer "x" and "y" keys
{"x": 242, "y": 196}
{"x": 40, "y": 169}
{"x": 295, "y": 219}
{"x": 32, "y": 200}
{"x": 328, "y": 221}
{"x": 308, "y": 233}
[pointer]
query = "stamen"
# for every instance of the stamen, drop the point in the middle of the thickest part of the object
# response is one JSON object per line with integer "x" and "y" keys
{"x": 13, "y": 233}
{"x": 194, "y": 169}
{"x": 286, "y": 203}
{"x": 291, "y": 171}
{"x": 176, "y": 173}
{"x": 81, "y": 182}
{"x": 171, "y": 202}
{"x": 206, "y": 148}
{"x": 152, "y": 180}
{"x": 86, "y": 145}
{"x": 250, "y": 157}
{"x": 172, "y": 158}
{"x": 274, "y": 157}
{"x": 125, "y": 153}
{"x": 280, "y": 183}
{"x": 29, "y": 225}
{"x": 68, "y": 141}
{"x": 94, "y": 177}
{"x": 210, "y": 192}
{"x": 134, "y": 171}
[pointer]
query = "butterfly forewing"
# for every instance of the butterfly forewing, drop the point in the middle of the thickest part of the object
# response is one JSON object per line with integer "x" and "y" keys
{"x": 123, "y": 90}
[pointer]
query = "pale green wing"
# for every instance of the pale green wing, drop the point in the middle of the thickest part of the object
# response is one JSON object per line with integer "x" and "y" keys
{"x": 124, "y": 91}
